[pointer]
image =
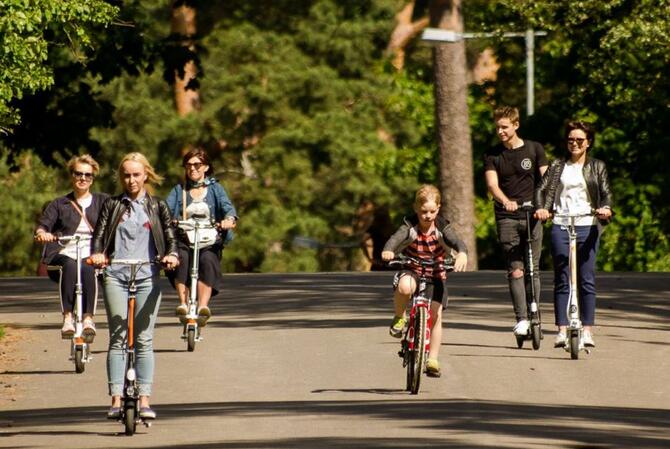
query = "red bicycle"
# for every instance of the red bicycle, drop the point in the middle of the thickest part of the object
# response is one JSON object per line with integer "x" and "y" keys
{"x": 415, "y": 343}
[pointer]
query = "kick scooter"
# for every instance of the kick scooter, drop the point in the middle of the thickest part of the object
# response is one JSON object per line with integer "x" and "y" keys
{"x": 532, "y": 302}
{"x": 80, "y": 349}
{"x": 201, "y": 233}
{"x": 575, "y": 329}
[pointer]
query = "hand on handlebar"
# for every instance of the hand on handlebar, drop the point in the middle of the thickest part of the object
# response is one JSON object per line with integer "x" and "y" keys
{"x": 510, "y": 205}
{"x": 170, "y": 262}
{"x": 387, "y": 255}
{"x": 604, "y": 213}
{"x": 45, "y": 237}
{"x": 461, "y": 262}
{"x": 542, "y": 214}
{"x": 97, "y": 260}
{"x": 228, "y": 223}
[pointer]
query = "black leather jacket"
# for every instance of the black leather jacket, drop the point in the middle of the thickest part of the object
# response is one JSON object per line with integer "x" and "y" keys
{"x": 160, "y": 219}
{"x": 597, "y": 184}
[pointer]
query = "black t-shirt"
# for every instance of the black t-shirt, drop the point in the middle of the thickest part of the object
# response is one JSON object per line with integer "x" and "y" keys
{"x": 518, "y": 172}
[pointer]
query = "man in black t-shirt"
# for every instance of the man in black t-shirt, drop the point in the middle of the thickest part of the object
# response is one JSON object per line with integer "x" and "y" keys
{"x": 512, "y": 169}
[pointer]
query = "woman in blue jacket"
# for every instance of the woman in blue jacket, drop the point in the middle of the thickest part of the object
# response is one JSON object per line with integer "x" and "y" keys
{"x": 200, "y": 190}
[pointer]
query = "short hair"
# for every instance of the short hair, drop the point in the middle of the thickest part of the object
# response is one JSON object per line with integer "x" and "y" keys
{"x": 587, "y": 127}
{"x": 427, "y": 193}
{"x": 152, "y": 176}
{"x": 83, "y": 159}
{"x": 201, "y": 154}
{"x": 507, "y": 112}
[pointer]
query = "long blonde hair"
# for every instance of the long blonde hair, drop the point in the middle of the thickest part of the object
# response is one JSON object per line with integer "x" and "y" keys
{"x": 153, "y": 178}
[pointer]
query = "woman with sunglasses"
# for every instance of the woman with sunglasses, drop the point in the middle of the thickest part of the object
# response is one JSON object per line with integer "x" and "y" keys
{"x": 75, "y": 213}
{"x": 201, "y": 194}
{"x": 576, "y": 184}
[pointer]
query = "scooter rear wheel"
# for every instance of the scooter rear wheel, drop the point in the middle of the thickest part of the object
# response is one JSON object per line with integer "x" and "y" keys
{"x": 519, "y": 340}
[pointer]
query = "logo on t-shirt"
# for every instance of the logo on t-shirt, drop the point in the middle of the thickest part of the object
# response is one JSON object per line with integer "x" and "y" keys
{"x": 526, "y": 164}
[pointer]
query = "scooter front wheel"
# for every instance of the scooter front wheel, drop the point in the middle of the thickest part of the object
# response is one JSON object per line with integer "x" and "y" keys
{"x": 190, "y": 339}
{"x": 129, "y": 409}
{"x": 79, "y": 365}
{"x": 536, "y": 333}
{"x": 574, "y": 344}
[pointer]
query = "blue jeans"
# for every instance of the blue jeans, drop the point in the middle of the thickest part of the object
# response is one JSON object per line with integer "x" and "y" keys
{"x": 146, "y": 311}
{"x": 588, "y": 239}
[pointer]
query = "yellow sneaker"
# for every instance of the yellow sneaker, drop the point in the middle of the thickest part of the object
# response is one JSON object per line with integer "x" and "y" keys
{"x": 397, "y": 326}
{"x": 433, "y": 368}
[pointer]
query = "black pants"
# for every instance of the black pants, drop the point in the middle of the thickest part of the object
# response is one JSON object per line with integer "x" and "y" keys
{"x": 69, "y": 279}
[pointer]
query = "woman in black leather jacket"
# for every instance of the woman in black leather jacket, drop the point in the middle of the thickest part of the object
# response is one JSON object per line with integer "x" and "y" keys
{"x": 133, "y": 225}
{"x": 577, "y": 184}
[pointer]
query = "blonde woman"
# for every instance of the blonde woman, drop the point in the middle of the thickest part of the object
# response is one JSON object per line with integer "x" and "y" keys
{"x": 133, "y": 225}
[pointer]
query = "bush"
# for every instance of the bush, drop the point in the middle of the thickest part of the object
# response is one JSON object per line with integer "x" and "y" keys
{"x": 28, "y": 185}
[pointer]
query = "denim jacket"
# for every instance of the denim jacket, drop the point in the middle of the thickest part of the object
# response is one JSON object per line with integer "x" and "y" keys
{"x": 217, "y": 199}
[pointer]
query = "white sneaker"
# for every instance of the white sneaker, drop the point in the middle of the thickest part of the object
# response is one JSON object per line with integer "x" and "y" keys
{"x": 588, "y": 340}
{"x": 561, "y": 340}
{"x": 521, "y": 328}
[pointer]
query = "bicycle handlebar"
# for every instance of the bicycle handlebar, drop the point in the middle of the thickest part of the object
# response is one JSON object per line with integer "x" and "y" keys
{"x": 447, "y": 264}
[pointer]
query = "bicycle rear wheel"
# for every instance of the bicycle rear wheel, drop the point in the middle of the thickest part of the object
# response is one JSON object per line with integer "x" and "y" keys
{"x": 418, "y": 355}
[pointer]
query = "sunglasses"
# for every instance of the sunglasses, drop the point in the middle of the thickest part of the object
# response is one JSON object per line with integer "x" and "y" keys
{"x": 196, "y": 165}
{"x": 578, "y": 141}
{"x": 81, "y": 174}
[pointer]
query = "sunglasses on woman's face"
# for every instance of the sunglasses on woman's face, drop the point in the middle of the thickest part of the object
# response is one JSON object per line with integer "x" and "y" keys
{"x": 195, "y": 165}
{"x": 82, "y": 175}
{"x": 578, "y": 141}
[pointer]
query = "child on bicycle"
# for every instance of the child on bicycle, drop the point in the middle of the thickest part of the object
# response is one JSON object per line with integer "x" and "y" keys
{"x": 424, "y": 236}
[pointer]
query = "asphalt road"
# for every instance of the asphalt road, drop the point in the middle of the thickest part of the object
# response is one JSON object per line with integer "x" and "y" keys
{"x": 305, "y": 361}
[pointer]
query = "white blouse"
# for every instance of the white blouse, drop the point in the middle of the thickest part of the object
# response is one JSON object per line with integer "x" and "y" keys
{"x": 574, "y": 196}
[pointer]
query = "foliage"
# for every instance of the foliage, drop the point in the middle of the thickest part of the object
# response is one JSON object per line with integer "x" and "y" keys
{"x": 32, "y": 186}
{"x": 27, "y": 29}
{"x": 305, "y": 119}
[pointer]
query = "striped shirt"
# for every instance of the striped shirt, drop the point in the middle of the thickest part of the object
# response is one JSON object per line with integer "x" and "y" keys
{"x": 427, "y": 247}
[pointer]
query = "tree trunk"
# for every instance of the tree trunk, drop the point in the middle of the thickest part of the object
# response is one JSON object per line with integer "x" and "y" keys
{"x": 184, "y": 28}
{"x": 453, "y": 127}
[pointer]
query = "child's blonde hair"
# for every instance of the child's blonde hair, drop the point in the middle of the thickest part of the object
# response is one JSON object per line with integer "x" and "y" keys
{"x": 152, "y": 176}
{"x": 427, "y": 193}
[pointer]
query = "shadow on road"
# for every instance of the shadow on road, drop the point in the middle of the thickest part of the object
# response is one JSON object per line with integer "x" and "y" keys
{"x": 578, "y": 426}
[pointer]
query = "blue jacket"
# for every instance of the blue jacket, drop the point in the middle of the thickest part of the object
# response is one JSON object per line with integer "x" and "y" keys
{"x": 217, "y": 199}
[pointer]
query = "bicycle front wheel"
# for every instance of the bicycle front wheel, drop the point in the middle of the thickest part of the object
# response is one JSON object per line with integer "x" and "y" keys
{"x": 418, "y": 355}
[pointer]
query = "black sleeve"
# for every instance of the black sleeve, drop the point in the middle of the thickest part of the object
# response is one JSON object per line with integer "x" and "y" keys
{"x": 98, "y": 245}
{"x": 49, "y": 217}
{"x": 490, "y": 159}
{"x": 540, "y": 156}
{"x": 168, "y": 228}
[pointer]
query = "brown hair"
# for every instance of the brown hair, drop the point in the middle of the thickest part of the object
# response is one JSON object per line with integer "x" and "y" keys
{"x": 507, "y": 112}
{"x": 587, "y": 127}
{"x": 201, "y": 154}
{"x": 152, "y": 176}
{"x": 83, "y": 159}
{"x": 427, "y": 193}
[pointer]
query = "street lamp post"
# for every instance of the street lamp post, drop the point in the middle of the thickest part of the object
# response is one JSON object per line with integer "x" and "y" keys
{"x": 440, "y": 36}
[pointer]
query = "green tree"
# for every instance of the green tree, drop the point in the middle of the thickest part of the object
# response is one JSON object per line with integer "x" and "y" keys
{"x": 27, "y": 30}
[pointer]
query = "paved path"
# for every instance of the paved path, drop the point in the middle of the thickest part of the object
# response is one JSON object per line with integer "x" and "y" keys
{"x": 304, "y": 361}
